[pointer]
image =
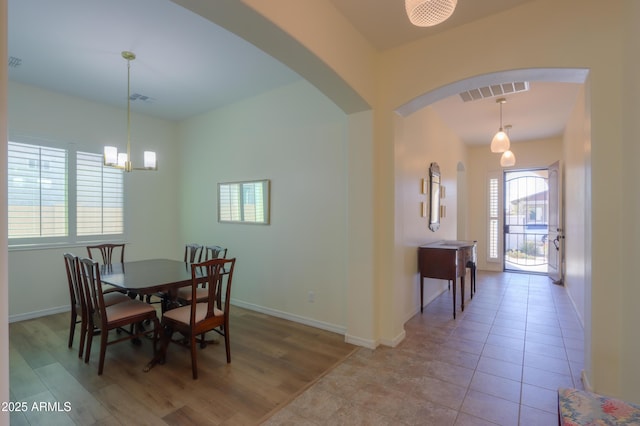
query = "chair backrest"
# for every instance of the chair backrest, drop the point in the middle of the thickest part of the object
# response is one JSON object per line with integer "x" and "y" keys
{"x": 107, "y": 252}
{"x": 75, "y": 287}
{"x": 214, "y": 252}
{"x": 192, "y": 253}
{"x": 210, "y": 273}
{"x": 92, "y": 289}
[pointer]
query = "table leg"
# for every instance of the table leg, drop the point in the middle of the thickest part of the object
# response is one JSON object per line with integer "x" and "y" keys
{"x": 473, "y": 277}
{"x": 159, "y": 356}
{"x": 462, "y": 292}
{"x": 421, "y": 292}
{"x": 454, "y": 299}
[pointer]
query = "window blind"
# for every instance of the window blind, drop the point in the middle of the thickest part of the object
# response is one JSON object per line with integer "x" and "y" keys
{"x": 99, "y": 195}
{"x": 37, "y": 193}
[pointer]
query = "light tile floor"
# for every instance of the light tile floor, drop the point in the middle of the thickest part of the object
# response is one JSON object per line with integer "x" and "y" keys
{"x": 500, "y": 362}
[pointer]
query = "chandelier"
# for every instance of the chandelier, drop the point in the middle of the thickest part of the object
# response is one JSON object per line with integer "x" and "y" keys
{"x": 122, "y": 160}
{"x": 508, "y": 159}
{"x": 427, "y": 13}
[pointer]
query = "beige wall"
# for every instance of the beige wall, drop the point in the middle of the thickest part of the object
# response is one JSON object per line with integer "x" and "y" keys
{"x": 420, "y": 139}
{"x": 630, "y": 206}
{"x": 576, "y": 162}
{"x": 482, "y": 163}
{"x": 296, "y": 138}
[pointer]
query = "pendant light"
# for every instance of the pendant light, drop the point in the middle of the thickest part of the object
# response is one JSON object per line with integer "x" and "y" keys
{"x": 500, "y": 142}
{"x": 122, "y": 160}
{"x": 427, "y": 13}
{"x": 508, "y": 159}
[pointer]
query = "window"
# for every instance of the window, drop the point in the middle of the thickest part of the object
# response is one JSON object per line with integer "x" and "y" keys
{"x": 58, "y": 195}
{"x": 244, "y": 202}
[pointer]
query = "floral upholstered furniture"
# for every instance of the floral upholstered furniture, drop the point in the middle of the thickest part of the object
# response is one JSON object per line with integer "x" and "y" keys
{"x": 578, "y": 408}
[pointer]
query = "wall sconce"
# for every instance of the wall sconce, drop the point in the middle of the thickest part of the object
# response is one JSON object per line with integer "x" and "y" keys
{"x": 443, "y": 211}
{"x": 423, "y": 209}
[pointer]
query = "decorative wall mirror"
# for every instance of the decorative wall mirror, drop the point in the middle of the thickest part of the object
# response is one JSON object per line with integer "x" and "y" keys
{"x": 244, "y": 202}
{"x": 434, "y": 197}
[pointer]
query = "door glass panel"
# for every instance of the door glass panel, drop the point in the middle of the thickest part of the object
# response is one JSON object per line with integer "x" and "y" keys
{"x": 526, "y": 220}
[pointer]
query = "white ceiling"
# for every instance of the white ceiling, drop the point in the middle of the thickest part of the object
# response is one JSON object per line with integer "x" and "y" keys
{"x": 187, "y": 65}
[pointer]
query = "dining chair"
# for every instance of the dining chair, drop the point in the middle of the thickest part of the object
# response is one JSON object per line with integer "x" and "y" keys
{"x": 208, "y": 252}
{"x": 79, "y": 313}
{"x": 197, "y": 318}
{"x": 192, "y": 253}
{"x": 107, "y": 252}
{"x": 104, "y": 318}
{"x": 78, "y": 307}
{"x": 214, "y": 252}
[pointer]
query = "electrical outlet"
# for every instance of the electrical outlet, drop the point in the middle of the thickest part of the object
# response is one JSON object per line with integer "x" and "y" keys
{"x": 311, "y": 297}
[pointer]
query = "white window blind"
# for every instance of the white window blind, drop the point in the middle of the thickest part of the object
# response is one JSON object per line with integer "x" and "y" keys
{"x": 99, "y": 205}
{"x": 37, "y": 195}
{"x": 493, "y": 253}
{"x": 230, "y": 203}
{"x": 58, "y": 196}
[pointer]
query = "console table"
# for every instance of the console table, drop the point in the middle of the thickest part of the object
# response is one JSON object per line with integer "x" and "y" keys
{"x": 447, "y": 260}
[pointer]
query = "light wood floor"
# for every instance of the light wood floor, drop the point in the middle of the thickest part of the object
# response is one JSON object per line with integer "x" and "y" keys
{"x": 272, "y": 361}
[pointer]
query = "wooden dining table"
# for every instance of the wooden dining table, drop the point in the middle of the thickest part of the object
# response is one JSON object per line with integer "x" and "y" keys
{"x": 147, "y": 277}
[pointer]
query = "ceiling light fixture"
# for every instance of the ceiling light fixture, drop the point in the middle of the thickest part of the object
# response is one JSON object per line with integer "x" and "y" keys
{"x": 122, "y": 160}
{"x": 508, "y": 159}
{"x": 500, "y": 142}
{"x": 427, "y": 13}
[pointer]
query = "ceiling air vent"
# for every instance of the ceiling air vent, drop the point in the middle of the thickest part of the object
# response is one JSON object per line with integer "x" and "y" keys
{"x": 494, "y": 90}
{"x": 14, "y": 62}
{"x": 143, "y": 98}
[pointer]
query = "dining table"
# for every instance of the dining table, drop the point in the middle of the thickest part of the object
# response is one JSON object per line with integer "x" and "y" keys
{"x": 146, "y": 277}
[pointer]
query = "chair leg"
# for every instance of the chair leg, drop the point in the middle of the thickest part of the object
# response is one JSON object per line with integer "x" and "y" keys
{"x": 194, "y": 361}
{"x": 226, "y": 342}
{"x": 89, "y": 342}
{"x": 83, "y": 337}
{"x": 103, "y": 350}
{"x": 72, "y": 327}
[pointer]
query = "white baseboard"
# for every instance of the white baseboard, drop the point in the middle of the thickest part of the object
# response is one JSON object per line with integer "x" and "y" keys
{"x": 358, "y": 341}
{"x": 585, "y": 381}
{"x": 38, "y": 314}
{"x": 395, "y": 341}
{"x": 291, "y": 317}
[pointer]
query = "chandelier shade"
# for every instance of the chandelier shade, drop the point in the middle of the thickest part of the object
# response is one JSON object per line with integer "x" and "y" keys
{"x": 507, "y": 159}
{"x": 500, "y": 142}
{"x": 122, "y": 160}
{"x": 427, "y": 13}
